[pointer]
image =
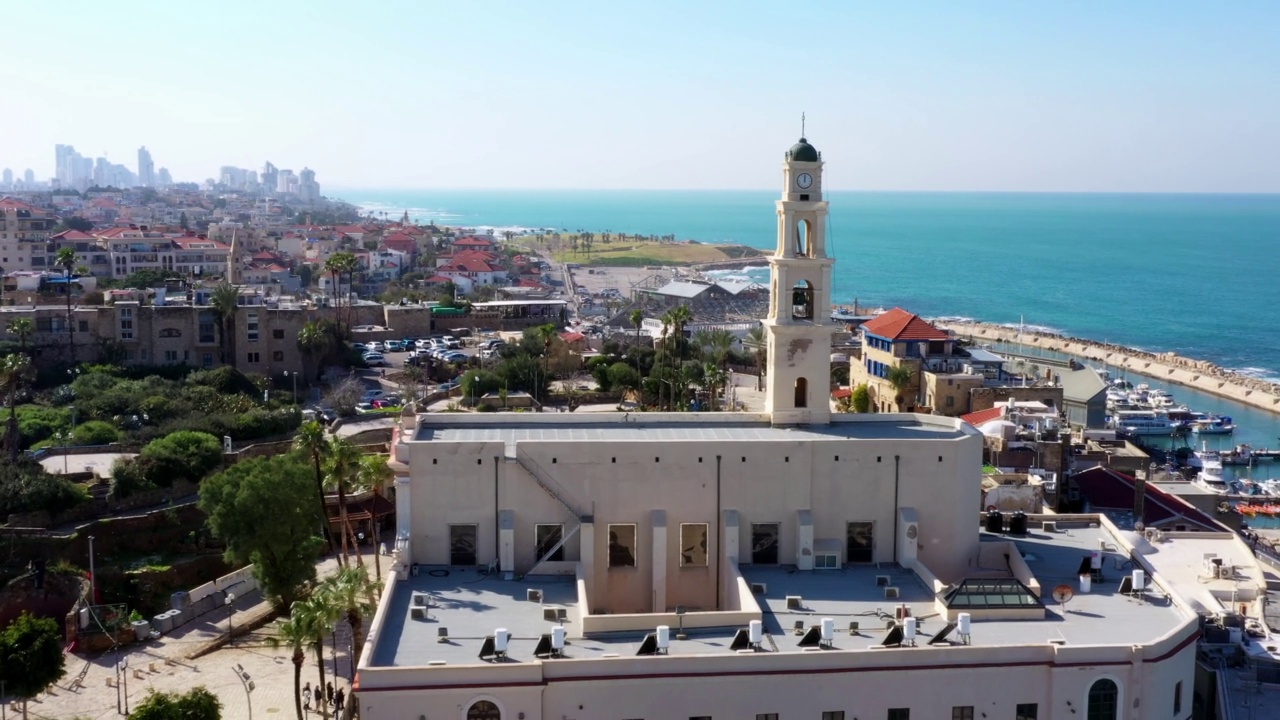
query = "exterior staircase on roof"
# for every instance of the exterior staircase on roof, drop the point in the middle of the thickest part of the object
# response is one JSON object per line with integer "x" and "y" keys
{"x": 549, "y": 485}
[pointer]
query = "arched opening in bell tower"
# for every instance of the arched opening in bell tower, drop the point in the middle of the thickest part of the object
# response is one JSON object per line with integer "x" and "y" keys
{"x": 802, "y": 393}
{"x": 803, "y": 246}
{"x": 802, "y": 301}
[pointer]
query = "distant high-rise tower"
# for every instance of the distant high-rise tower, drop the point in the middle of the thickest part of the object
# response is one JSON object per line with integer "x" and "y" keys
{"x": 270, "y": 177}
{"x": 63, "y": 169}
{"x": 308, "y": 188}
{"x": 8, "y": 178}
{"x": 146, "y": 168}
{"x": 29, "y": 178}
{"x": 164, "y": 178}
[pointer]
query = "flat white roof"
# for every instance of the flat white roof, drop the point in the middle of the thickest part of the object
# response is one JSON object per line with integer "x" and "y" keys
{"x": 514, "y": 303}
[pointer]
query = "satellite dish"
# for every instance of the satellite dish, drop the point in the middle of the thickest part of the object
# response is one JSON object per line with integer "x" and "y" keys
{"x": 1063, "y": 593}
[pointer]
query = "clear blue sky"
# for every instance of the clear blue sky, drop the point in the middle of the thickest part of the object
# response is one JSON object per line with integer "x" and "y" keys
{"x": 1088, "y": 96}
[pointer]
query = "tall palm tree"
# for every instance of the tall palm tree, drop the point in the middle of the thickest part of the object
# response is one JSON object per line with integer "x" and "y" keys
{"x": 312, "y": 342}
{"x": 352, "y": 593}
{"x": 343, "y": 465}
{"x": 715, "y": 378}
{"x": 312, "y": 441}
{"x": 15, "y": 370}
{"x": 758, "y": 341}
{"x": 715, "y": 345}
{"x": 23, "y": 328}
{"x": 296, "y": 634}
{"x": 372, "y": 475}
{"x": 344, "y": 264}
{"x": 317, "y": 615}
{"x": 637, "y": 319}
{"x": 226, "y": 303}
{"x": 662, "y": 360}
{"x": 66, "y": 260}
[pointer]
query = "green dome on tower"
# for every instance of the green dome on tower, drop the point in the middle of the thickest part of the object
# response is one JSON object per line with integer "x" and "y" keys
{"x": 803, "y": 152}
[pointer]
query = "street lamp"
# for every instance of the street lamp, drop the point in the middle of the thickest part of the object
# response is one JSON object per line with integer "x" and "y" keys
{"x": 122, "y": 679}
{"x": 65, "y": 437}
{"x": 293, "y": 375}
{"x": 248, "y": 686}
{"x": 231, "y": 598}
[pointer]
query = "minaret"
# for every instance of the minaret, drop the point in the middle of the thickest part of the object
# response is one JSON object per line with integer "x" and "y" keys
{"x": 799, "y": 327}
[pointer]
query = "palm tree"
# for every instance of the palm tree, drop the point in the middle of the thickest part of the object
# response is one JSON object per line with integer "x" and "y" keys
{"x": 372, "y": 475}
{"x": 715, "y": 345}
{"x": 681, "y": 316}
{"x": 353, "y": 593}
{"x": 344, "y": 263}
{"x": 757, "y": 340}
{"x": 296, "y": 634}
{"x": 663, "y": 359}
{"x": 637, "y": 318}
{"x": 312, "y": 441}
{"x": 715, "y": 378}
{"x": 23, "y": 328}
{"x": 312, "y": 340}
{"x": 15, "y": 369}
{"x": 317, "y": 615}
{"x": 900, "y": 377}
{"x": 344, "y": 463}
{"x": 226, "y": 303}
{"x": 66, "y": 260}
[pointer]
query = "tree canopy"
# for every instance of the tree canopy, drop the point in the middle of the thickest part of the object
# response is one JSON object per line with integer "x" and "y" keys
{"x": 195, "y": 704}
{"x": 265, "y": 510}
{"x": 31, "y": 657}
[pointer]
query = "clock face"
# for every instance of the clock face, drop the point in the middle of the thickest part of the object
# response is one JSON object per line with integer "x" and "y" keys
{"x": 804, "y": 180}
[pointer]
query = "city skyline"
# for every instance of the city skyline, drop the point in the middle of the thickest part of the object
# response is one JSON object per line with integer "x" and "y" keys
{"x": 1145, "y": 97}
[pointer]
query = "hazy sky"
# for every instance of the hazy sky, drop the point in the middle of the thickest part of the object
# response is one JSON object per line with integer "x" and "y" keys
{"x": 1089, "y": 96}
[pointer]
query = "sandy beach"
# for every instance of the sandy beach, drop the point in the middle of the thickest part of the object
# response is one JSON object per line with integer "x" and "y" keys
{"x": 1170, "y": 367}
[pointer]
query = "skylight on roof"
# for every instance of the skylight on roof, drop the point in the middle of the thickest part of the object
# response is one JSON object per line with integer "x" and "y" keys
{"x": 987, "y": 594}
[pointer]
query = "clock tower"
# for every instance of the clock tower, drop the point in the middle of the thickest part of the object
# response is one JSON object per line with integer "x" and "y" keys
{"x": 799, "y": 327}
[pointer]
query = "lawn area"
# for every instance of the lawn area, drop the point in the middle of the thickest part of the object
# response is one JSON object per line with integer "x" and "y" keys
{"x": 655, "y": 253}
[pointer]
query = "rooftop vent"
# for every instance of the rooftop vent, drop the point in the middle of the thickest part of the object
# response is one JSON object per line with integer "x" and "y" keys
{"x": 1049, "y": 526}
{"x": 882, "y": 581}
{"x": 534, "y": 596}
{"x": 554, "y": 614}
{"x": 442, "y": 635}
{"x": 759, "y": 589}
{"x": 648, "y": 646}
{"x": 795, "y": 602}
{"x": 891, "y": 593}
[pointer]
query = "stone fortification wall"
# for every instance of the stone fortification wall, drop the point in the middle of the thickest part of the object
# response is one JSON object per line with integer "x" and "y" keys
{"x": 1170, "y": 367}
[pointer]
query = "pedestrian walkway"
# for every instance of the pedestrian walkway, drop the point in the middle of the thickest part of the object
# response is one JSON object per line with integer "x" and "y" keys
{"x": 102, "y": 686}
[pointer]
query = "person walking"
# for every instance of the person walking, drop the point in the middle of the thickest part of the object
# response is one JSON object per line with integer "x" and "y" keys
{"x": 328, "y": 693}
{"x": 339, "y": 700}
{"x": 306, "y": 696}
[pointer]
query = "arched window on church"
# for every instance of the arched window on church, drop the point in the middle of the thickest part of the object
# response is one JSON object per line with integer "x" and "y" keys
{"x": 1104, "y": 699}
{"x": 484, "y": 710}
{"x": 802, "y": 239}
{"x": 802, "y": 393}
{"x": 802, "y": 301}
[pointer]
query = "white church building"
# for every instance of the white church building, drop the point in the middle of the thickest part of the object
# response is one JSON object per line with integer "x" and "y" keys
{"x": 789, "y": 564}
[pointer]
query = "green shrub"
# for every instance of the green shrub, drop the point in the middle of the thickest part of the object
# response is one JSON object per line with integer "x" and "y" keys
{"x": 181, "y": 455}
{"x": 622, "y": 377}
{"x": 26, "y": 487}
{"x": 226, "y": 380}
{"x": 129, "y": 476}
{"x": 95, "y": 432}
{"x": 38, "y": 422}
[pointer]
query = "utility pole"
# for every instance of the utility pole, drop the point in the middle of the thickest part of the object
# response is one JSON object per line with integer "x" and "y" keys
{"x": 92, "y": 580}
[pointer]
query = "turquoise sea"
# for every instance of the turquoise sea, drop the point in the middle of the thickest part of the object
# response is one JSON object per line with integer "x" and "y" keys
{"x": 1197, "y": 274}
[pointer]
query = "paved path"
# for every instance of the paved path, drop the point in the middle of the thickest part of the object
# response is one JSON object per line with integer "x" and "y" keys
{"x": 270, "y": 669}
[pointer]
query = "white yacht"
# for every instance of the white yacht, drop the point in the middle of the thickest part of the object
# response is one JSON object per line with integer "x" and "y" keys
{"x": 1141, "y": 422}
{"x": 1209, "y": 424}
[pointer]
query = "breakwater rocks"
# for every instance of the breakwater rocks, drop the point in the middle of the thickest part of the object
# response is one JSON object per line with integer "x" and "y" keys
{"x": 1170, "y": 367}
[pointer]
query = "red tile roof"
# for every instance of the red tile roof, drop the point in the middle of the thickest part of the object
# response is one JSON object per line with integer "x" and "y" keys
{"x": 465, "y": 266}
{"x": 436, "y": 279}
{"x": 981, "y": 416}
{"x": 841, "y": 393}
{"x": 72, "y": 235}
{"x": 1106, "y": 489}
{"x": 898, "y": 324}
{"x": 9, "y": 203}
{"x": 571, "y": 337}
{"x": 472, "y": 242}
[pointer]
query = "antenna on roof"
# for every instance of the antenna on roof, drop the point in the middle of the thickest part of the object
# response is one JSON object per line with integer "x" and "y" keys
{"x": 802, "y": 125}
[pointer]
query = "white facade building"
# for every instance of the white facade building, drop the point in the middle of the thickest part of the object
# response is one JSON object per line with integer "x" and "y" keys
{"x": 788, "y": 564}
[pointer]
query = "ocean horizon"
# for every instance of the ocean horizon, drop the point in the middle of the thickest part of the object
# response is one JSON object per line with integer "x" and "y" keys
{"x": 1191, "y": 273}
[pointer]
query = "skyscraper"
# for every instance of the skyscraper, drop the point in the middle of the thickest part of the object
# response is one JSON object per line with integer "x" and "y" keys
{"x": 8, "y": 179}
{"x": 146, "y": 168}
{"x": 29, "y": 178}
{"x": 62, "y": 168}
{"x": 270, "y": 177}
{"x": 165, "y": 178}
{"x": 308, "y": 188}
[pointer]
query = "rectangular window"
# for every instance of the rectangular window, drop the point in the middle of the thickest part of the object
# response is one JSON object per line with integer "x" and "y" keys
{"x": 277, "y": 334}
{"x": 142, "y": 355}
{"x": 1177, "y": 698}
{"x": 84, "y": 326}
{"x": 831, "y": 715}
{"x": 860, "y": 542}
{"x": 171, "y": 356}
{"x": 277, "y": 356}
{"x": 899, "y": 713}
{"x": 622, "y": 546}
{"x": 545, "y": 537}
{"x": 764, "y": 543}
{"x": 254, "y": 358}
{"x": 462, "y": 544}
{"x": 699, "y": 717}
{"x": 206, "y": 360}
{"x": 693, "y": 544}
{"x": 766, "y": 716}
{"x": 962, "y": 712}
{"x": 951, "y": 401}
{"x": 1027, "y": 711}
{"x": 826, "y": 561}
{"x": 251, "y": 327}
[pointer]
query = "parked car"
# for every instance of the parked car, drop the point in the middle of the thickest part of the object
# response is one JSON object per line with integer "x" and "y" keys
{"x": 456, "y": 357}
{"x": 374, "y": 359}
{"x": 371, "y": 395}
{"x": 374, "y": 346}
{"x": 449, "y": 386}
{"x": 359, "y": 346}
{"x": 452, "y": 342}
{"x": 393, "y": 346}
{"x": 490, "y": 352}
{"x": 364, "y": 407}
{"x": 461, "y": 332}
{"x": 422, "y": 343}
